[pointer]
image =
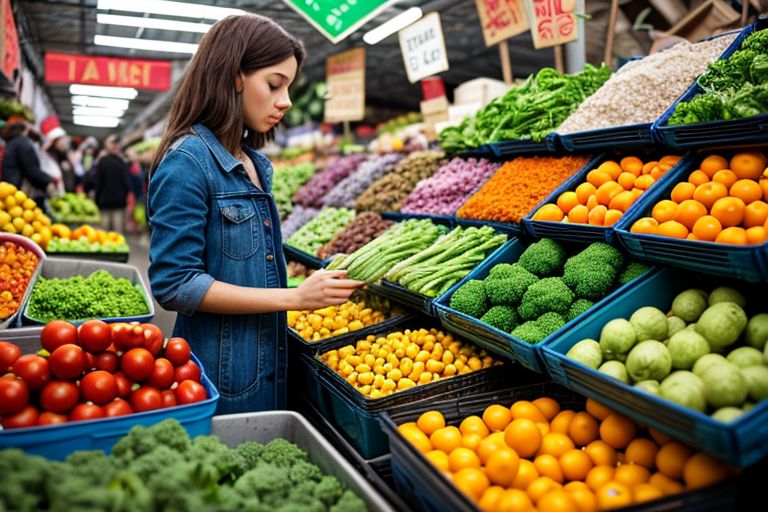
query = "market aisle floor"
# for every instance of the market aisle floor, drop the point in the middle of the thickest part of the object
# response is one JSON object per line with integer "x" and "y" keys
{"x": 140, "y": 259}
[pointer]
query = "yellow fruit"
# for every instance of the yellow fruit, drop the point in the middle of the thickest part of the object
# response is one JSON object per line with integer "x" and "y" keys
{"x": 29, "y": 204}
{"x": 10, "y": 202}
{"x": 19, "y": 223}
{"x": 16, "y": 211}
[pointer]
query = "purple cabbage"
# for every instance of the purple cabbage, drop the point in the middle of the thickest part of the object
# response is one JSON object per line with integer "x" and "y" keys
{"x": 311, "y": 195}
{"x": 346, "y": 192}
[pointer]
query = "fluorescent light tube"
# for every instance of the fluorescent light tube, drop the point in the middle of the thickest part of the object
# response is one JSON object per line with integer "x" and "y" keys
{"x": 145, "y": 44}
{"x": 97, "y": 111}
{"x": 126, "y": 93}
{"x": 392, "y": 26}
{"x": 93, "y": 101}
{"x": 134, "y": 21}
{"x": 180, "y": 9}
{"x": 97, "y": 121}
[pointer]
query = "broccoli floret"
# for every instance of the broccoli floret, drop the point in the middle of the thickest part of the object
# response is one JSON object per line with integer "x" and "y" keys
{"x": 578, "y": 307}
{"x": 223, "y": 463}
{"x": 544, "y": 258}
{"x": 93, "y": 465}
{"x": 601, "y": 251}
{"x": 548, "y": 294}
{"x": 141, "y": 440}
{"x": 302, "y": 494}
{"x": 502, "y": 271}
{"x": 589, "y": 278}
{"x": 269, "y": 482}
{"x": 349, "y": 502}
{"x": 550, "y": 322}
{"x": 229, "y": 500}
{"x": 470, "y": 299}
{"x": 634, "y": 270}
{"x": 283, "y": 453}
{"x": 132, "y": 494}
{"x": 250, "y": 452}
{"x": 304, "y": 471}
{"x": 530, "y": 332}
{"x": 507, "y": 287}
{"x": 328, "y": 490}
{"x": 150, "y": 463}
{"x": 504, "y": 318}
{"x": 24, "y": 478}
{"x": 312, "y": 506}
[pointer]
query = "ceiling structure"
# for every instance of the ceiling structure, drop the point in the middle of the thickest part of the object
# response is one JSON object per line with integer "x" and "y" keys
{"x": 69, "y": 26}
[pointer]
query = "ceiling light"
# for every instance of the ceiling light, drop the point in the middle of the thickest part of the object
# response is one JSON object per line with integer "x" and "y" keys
{"x": 134, "y": 21}
{"x": 92, "y": 101}
{"x": 396, "y": 24}
{"x": 145, "y": 44}
{"x": 180, "y": 9}
{"x": 126, "y": 93}
{"x": 97, "y": 111}
{"x": 98, "y": 121}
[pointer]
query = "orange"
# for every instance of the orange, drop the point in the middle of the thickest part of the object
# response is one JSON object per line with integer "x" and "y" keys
{"x": 585, "y": 499}
{"x": 660, "y": 437}
{"x": 523, "y": 436}
{"x": 575, "y": 464}
{"x": 438, "y": 459}
{"x": 598, "y": 410}
{"x": 416, "y": 437}
{"x": 611, "y": 168}
{"x": 549, "y": 407}
{"x": 473, "y": 425}
{"x": 472, "y": 482}
{"x": 502, "y": 467}
{"x": 607, "y": 191}
{"x": 597, "y": 215}
{"x": 646, "y": 225}
{"x": 732, "y": 236}
{"x": 490, "y": 445}
{"x": 579, "y": 214}
{"x": 622, "y": 201}
{"x": 547, "y": 465}
{"x": 592, "y": 201}
{"x": 514, "y": 500}
{"x": 597, "y": 178}
{"x": 526, "y": 473}
{"x": 567, "y": 201}
{"x": 471, "y": 441}
{"x": 644, "y": 182}
{"x": 541, "y": 486}
{"x": 446, "y": 439}
{"x": 667, "y": 485}
{"x": 664, "y": 210}
{"x": 549, "y": 212}
{"x": 727, "y": 177}
{"x": 691, "y": 236}
{"x": 490, "y": 498}
{"x": 764, "y": 184}
{"x": 648, "y": 166}
{"x": 755, "y": 214}
{"x": 748, "y": 165}
{"x": 562, "y": 421}
{"x": 556, "y": 501}
{"x": 672, "y": 229}
{"x": 576, "y": 485}
{"x": 527, "y": 410}
{"x": 713, "y": 163}
{"x": 642, "y": 451}
{"x": 707, "y": 228}
{"x": 497, "y": 417}
{"x": 583, "y": 428}
{"x": 702, "y": 470}
{"x": 556, "y": 444}
{"x": 461, "y": 458}
{"x": 756, "y": 235}
{"x": 646, "y": 492}
{"x": 631, "y": 474}
{"x": 746, "y": 190}
{"x": 601, "y": 453}
{"x": 669, "y": 161}
{"x": 682, "y": 191}
{"x": 626, "y": 180}
{"x": 614, "y": 495}
{"x": 617, "y": 430}
{"x": 698, "y": 178}
{"x": 671, "y": 459}
{"x": 430, "y": 421}
{"x": 585, "y": 190}
{"x": 598, "y": 476}
{"x": 543, "y": 427}
{"x": 632, "y": 164}
{"x": 708, "y": 193}
{"x": 658, "y": 171}
{"x": 689, "y": 211}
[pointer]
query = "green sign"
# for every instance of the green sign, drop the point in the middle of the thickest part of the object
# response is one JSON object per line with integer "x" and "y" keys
{"x": 336, "y": 19}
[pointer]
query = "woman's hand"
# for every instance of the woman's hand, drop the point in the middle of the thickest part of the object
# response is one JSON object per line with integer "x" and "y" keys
{"x": 325, "y": 288}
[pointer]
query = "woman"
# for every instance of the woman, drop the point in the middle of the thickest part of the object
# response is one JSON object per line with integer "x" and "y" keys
{"x": 215, "y": 246}
{"x": 21, "y": 164}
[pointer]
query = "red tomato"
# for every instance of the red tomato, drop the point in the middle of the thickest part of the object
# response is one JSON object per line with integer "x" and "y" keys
{"x": 163, "y": 375}
{"x": 51, "y": 418}
{"x": 9, "y": 353}
{"x": 67, "y": 362}
{"x": 98, "y": 387}
{"x": 127, "y": 336}
{"x": 94, "y": 335}
{"x": 187, "y": 371}
{"x": 123, "y": 385}
{"x": 14, "y": 395}
{"x": 177, "y": 351}
{"x": 153, "y": 338}
{"x": 117, "y": 407}
{"x": 137, "y": 364}
{"x": 33, "y": 369}
{"x": 169, "y": 398}
{"x": 146, "y": 398}
{"x": 57, "y": 333}
{"x": 107, "y": 361}
{"x": 59, "y": 396}
{"x": 90, "y": 361}
{"x": 27, "y": 417}
{"x": 190, "y": 392}
{"x": 86, "y": 412}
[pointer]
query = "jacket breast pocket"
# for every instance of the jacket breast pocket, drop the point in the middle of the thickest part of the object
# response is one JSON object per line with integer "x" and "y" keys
{"x": 238, "y": 220}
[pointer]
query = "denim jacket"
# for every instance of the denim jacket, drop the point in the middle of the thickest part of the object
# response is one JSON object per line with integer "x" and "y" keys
{"x": 210, "y": 222}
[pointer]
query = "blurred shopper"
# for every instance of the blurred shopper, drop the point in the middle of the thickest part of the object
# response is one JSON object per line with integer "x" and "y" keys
{"x": 53, "y": 135}
{"x": 21, "y": 162}
{"x": 112, "y": 186}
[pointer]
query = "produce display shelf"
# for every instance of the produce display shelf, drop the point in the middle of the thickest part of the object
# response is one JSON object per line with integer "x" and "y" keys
{"x": 64, "y": 268}
{"x": 746, "y": 262}
{"x": 484, "y": 151}
{"x": 305, "y": 258}
{"x": 572, "y": 232}
{"x": 263, "y": 427}
{"x": 508, "y": 149}
{"x": 753, "y": 130}
{"x": 116, "y": 257}
{"x": 741, "y": 442}
{"x": 22, "y": 241}
{"x": 618, "y": 137}
{"x": 512, "y": 229}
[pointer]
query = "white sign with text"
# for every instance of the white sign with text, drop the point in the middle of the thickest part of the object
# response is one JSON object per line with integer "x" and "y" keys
{"x": 423, "y": 48}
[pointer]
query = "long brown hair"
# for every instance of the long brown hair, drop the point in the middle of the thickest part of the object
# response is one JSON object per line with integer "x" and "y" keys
{"x": 206, "y": 95}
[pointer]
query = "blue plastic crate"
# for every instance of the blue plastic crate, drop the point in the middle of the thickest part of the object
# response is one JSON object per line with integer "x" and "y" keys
{"x": 484, "y": 151}
{"x": 583, "y": 232}
{"x": 741, "y": 262}
{"x": 741, "y": 442}
{"x": 512, "y": 229}
{"x": 495, "y": 340}
{"x": 620, "y": 137}
{"x": 507, "y": 149}
{"x": 753, "y": 130}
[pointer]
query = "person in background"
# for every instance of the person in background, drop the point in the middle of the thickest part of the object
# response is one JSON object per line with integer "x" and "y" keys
{"x": 59, "y": 149}
{"x": 53, "y": 137}
{"x": 83, "y": 159}
{"x": 21, "y": 162}
{"x": 112, "y": 186}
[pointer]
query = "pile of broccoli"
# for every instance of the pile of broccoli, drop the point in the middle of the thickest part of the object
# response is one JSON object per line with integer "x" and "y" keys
{"x": 545, "y": 288}
{"x": 160, "y": 468}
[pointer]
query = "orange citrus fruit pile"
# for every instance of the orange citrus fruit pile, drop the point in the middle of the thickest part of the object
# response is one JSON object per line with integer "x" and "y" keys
{"x": 609, "y": 191}
{"x": 535, "y": 456}
{"x": 722, "y": 201}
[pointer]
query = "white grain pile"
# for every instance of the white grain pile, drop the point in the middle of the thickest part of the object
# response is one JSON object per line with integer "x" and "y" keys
{"x": 642, "y": 90}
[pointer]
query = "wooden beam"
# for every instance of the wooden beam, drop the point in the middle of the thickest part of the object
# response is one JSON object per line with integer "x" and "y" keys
{"x": 506, "y": 66}
{"x": 559, "y": 62}
{"x": 608, "y": 57}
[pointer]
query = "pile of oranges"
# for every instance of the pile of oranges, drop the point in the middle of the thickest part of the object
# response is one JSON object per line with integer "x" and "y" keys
{"x": 608, "y": 193}
{"x": 534, "y": 456}
{"x": 722, "y": 201}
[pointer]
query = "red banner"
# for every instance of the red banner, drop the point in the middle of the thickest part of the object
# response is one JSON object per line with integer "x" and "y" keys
{"x": 11, "y": 43}
{"x": 81, "y": 69}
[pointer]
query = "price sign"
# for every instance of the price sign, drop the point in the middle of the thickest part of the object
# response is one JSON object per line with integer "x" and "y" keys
{"x": 423, "y": 48}
{"x": 553, "y": 22}
{"x": 501, "y": 19}
{"x": 336, "y": 19}
{"x": 345, "y": 75}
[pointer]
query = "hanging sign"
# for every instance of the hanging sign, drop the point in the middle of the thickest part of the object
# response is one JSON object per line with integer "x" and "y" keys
{"x": 63, "y": 68}
{"x": 336, "y": 19}
{"x": 423, "y": 48}
{"x": 501, "y": 19}
{"x": 10, "y": 41}
{"x": 345, "y": 76}
{"x": 553, "y": 22}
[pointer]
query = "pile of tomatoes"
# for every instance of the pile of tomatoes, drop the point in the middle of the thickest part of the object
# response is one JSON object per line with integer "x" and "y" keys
{"x": 97, "y": 370}
{"x": 17, "y": 265}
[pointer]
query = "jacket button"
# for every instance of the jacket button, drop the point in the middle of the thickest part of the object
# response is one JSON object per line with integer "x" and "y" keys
{"x": 270, "y": 257}
{"x": 266, "y": 223}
